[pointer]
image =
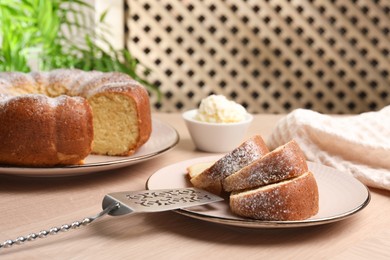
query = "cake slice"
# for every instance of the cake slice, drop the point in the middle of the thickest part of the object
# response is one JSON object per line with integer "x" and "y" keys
{"x": 285, "y": 162}
{"x": 211, "y": 178}
{"x": 272, "y": 186}
{"x": 293, "y": 199}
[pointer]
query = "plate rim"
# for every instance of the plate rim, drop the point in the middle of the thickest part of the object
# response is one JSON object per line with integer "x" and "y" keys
{"x": 124, "y": 161}
{"x": 254, "y": 223}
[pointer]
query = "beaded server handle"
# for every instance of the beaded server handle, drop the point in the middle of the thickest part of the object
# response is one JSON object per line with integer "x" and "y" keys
{"x": 128, "y": 202}
{"x": 53, "y": 231}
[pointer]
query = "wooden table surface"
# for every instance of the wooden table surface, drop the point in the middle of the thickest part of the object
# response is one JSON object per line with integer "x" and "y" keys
{"x": 33, "y": 204}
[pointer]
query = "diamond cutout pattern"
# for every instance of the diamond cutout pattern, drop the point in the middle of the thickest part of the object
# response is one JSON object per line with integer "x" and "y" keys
{"x": 272, "y": 56}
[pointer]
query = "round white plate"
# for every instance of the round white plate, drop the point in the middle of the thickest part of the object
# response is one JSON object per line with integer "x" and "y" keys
{"x": 340, "y": 196}
{"x": 163, "y": 138}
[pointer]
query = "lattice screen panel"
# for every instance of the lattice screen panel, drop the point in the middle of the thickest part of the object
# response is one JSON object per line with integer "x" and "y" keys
{"x": 271, "y": 56}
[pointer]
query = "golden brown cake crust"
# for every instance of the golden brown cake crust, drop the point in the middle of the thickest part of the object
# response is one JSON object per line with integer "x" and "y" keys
{"x": 283, "y": 163}
{"x": 294, "y": 199}
{"x": 40, "y": 131}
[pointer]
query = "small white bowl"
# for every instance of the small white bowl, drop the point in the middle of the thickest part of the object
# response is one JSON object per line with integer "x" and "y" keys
{"x": 216, "y": 137}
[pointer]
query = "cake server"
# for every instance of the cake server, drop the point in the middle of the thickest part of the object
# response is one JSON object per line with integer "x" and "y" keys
{"x": 129, "y": 202}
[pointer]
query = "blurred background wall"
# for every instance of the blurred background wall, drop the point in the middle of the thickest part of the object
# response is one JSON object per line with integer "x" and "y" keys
{"x": 272, "y": 56}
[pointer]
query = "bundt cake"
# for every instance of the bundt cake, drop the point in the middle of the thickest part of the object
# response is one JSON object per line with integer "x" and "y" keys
{"x": 59, "y": 117}
{"x": 275, "y": 186}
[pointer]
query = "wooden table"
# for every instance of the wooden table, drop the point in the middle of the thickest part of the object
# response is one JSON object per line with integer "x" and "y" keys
{"x": 32, "y": 204}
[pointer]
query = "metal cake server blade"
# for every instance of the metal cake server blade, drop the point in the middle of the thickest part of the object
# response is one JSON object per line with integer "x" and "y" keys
{"x": 157, "y": 200}
{"x": 129, "y": 202}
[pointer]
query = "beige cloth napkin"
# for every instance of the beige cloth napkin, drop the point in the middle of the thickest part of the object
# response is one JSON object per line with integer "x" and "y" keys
{"x": 358, "y": 144}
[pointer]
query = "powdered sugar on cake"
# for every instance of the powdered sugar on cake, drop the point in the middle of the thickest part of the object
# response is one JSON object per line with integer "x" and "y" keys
{"x": 238, "y": 158}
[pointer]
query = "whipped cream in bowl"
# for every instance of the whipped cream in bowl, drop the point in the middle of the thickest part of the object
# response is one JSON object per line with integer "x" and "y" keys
{"x": 219, "y": 125}
{"x": 218, "y": 109}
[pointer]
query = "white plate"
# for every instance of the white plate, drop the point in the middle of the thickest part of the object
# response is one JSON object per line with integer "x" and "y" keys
{"x": 340, "y": 196}
{"x": 163, "y": 138}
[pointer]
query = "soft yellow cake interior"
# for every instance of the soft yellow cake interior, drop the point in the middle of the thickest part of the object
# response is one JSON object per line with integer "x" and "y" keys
{"x": 115, "y": 123}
